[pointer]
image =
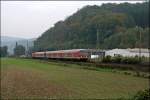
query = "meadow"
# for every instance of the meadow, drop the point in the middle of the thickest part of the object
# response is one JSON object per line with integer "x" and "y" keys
{"x": 35, "y": 79}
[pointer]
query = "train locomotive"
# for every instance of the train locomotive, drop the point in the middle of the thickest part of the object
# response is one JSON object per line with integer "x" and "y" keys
{"x": 74, "y": 54}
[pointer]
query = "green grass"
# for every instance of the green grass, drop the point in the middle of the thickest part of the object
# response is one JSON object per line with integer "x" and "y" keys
{"x": 38, "y": 79}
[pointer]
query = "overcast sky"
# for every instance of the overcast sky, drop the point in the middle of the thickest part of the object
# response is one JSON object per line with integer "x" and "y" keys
{"x": 29, "y": 19}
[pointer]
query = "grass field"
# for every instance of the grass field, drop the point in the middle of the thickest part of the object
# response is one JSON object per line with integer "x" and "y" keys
{"x": 28, "y": 79}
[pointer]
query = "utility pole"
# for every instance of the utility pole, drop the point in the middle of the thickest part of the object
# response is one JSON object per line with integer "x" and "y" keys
{"x": 99, "y": 40}
{"x": 27, "y": 49}
{"x": 16, "y": 44}
{"x": 97, "y": 34}
{"x": 97, "y": 37}
{"x": 140, "y": 46}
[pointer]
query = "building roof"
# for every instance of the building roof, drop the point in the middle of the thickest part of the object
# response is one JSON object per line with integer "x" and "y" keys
{"x": 137, "y": 50}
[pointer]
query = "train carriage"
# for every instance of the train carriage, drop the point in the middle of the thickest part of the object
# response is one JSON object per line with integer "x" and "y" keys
{"x": 78, "y": 54}
{"x": 38, "y": 54}
{"x": 73, "y": 54}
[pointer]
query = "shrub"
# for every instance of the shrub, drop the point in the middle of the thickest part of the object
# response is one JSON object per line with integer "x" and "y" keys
{"x": 117, "y": 59}
{"x": 133, "y": 60}
{"x": 106, "y": 59}
{"x": 142, "y": 95}
{"x": 130, "y": 60}
{"x": 124, "y": 60}
{"x": 121, "y": 59}
{"x": 127, "y": 73}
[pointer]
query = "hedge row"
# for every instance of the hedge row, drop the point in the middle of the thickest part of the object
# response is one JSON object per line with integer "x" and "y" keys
{"x": 121, "y": 59}
{"x": 142, "y": 95}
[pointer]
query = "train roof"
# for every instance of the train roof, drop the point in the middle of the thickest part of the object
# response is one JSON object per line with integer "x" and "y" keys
{"x": 39, "y": 52}
{"x": 64, "y": 51}
{"x": 72, "y": 50}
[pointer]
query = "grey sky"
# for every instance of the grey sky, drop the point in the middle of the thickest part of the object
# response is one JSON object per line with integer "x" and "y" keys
{"x": 29, "y": 19}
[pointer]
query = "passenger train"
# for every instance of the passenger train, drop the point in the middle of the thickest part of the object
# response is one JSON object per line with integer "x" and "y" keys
{"x": 74, "y": 54}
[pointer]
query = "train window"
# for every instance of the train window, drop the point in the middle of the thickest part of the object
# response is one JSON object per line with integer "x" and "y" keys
{"x": 49, "y": 55}
{"x": 66, "y": 54}
{"x": 60, "y": 54}
{"x": 69, "y": 54}
{"x": 57, "y": 54}
{"x": 53, "y": 54}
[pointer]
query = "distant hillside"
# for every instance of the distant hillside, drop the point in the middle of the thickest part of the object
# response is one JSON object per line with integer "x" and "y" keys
{"x": 11, "y": 42}
{"x": 9, "y": 39}
{"x": 106, "y": 26}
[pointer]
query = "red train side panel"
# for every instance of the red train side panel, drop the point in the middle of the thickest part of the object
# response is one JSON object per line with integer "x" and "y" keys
{"x": 62, "y": 54}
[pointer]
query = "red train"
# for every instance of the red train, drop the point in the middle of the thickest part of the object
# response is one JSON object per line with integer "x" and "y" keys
{"x": 74, "y": 54}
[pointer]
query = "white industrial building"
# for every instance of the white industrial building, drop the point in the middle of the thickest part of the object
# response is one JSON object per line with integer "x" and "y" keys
{"x": 128, "y": 52}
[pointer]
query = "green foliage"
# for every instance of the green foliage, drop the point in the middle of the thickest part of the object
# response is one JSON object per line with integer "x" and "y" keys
{"x": 128, "y": 39}
{"x": 106, "y": 59}
{"x": 117, "y": 59}
{"x": 107, "y": 26}
{"x": 138, "y": 11}
{"x": 142, "y": 95}
{"x": 19, "y": 50}
{"x": 130, "y": 60}
{"x": 3, "y": 51}
{"x": 121, "y": 59}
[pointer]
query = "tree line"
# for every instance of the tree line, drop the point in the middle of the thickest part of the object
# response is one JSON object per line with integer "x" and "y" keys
{"x": 18, "y": 51}
{"x": 104, "y": 27}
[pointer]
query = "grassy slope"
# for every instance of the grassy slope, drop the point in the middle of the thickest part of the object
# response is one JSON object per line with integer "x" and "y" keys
{"x": 33, "y": 78}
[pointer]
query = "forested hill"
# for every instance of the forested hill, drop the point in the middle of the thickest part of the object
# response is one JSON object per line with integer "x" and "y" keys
{"x": 107, "y": 26}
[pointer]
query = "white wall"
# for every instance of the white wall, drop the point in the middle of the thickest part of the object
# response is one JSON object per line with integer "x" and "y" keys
{"x": 125, "y": 53}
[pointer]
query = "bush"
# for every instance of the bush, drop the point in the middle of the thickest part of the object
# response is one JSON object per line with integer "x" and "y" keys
{"x": 121, "y": 59}
{"x": 125, "y": 60}
{"x": 135, "y": 60}
{"x": 142, "y": 95}
{"x": 107, "y": 59}
{"x": 130, "y": 60}
{"x": 117, "y": 59}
